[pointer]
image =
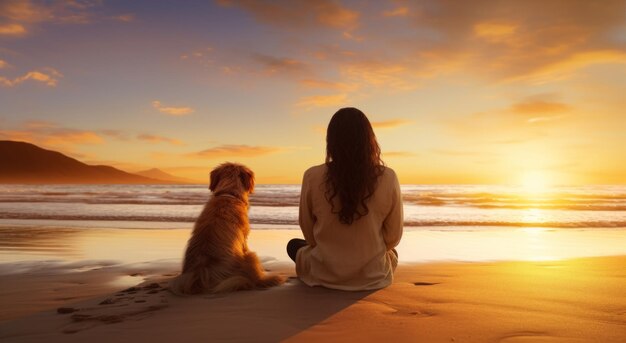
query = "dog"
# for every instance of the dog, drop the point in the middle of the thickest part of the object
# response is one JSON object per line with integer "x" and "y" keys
{"x": 217, "y": 258}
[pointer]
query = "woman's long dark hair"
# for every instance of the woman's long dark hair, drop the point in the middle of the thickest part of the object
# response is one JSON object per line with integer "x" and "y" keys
{"x": 353, "y": 161}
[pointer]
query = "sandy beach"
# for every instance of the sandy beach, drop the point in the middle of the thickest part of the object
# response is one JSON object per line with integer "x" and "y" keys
{"x": 577, "y": 300}
{"x": 559, "y": 300}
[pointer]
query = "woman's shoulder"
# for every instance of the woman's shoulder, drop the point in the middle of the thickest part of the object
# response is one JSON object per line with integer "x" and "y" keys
{"x": 389, "y": 173}
{"x": 317, "y": 170}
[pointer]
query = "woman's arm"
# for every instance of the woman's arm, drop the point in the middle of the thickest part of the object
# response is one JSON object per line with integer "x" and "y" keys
{"x": 392, "y": 226}
{"x": 306, "y": 217}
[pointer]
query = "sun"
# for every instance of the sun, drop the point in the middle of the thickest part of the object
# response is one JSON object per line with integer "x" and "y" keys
{"x": 534, "y": 181}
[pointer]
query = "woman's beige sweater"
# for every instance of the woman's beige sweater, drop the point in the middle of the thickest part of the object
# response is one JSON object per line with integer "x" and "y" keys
{"x": 349, "y": 257}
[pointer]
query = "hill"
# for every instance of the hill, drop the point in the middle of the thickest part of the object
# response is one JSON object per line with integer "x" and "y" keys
{"x": 22, "y": 162}
{"x": 156, "y": 173}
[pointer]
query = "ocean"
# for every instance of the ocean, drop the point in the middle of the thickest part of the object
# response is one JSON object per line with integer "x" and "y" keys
{"x": 443, "y": 207}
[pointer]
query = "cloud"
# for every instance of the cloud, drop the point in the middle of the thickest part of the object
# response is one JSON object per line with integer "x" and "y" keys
{"x": 203, "y": 56}
{"x": 494, "y": 32}
{"x": 329, "y": 85}
{"x": 388, "y": 75}
{"x": 125, "y": 18}
{"x": 24, "y": 11}
{"x": 3, "y": 64}
{"x": 528, "y": 41}
{"x": 47, "y": 76}
{"x": 540, "y": 108}
{"x": 565, "y": 67}
{"x": 51, "y": 135}
{"x": 117, "y": 134}
{"x": 159, "y": 139}
{"x": 230, "y": 151}
{"x": 398, "y": 154}
{"x": 17, "y": 16}
{"x": 298, "y": 13}
{"x": 309, "y": 102}
{"x": 12, "y": 29}
{"x": 388, "y": 124}
{"x": 279, "y": 65}
{"x": 397, "y": 12}
{"x": 525, "y": 120}
{"x": 256, "y": 65}
{"x": 173, "y": 111}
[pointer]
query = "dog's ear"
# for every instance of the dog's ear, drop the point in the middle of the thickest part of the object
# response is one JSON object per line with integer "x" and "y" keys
{"x": 247, "y": 179}
{"x": 216, "y": 176}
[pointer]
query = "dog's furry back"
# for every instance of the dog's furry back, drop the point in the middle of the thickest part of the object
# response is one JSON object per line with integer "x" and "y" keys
{"x": 217, "y": 258}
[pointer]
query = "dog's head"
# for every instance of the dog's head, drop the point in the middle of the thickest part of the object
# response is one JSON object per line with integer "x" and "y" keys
{"x": 232, "y": 177}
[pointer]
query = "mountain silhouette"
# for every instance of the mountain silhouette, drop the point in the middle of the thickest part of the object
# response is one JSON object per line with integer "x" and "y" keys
{"x": 156, "y": 173}
{"x": 22, "y": 162}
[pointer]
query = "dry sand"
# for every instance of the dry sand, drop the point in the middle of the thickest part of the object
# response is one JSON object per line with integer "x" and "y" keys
{"x": 578, "y": 300}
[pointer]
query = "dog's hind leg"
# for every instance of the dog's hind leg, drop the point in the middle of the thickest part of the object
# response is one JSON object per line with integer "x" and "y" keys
{"x": 253, "y": 269}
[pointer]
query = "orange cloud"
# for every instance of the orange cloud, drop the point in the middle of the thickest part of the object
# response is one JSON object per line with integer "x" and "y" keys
{"x": 229, "y": 151}
{"x": 330, "y": 85}
{"x": 173, "y": 111}
{"x": 203, "y": 56}
{"x": 313, "y": 101}
{"x": 159, "y": 139}
{"x": 114, "y": 134}
{"x": 299, "y": 13}
{"x": 24, "y": 11}
{"x": 19, "y": 15}
{"x": 378, "y": 74}
{"x": 520, "y": 123}
{"x": 48, "y": 76}
{"x": 126, "y": 18}
{"x": 538, "y": 106}
{"x": 509, "y": 41}
{"x": 398, "y": 154}
{"x": 494, "y": 32}
{"x": 51, "y": 135}
{"x": 388, "y": 124}
{"x": 3, "y": 64}
{"x": 12, "y": 29}
{"x": 566, "y": 66}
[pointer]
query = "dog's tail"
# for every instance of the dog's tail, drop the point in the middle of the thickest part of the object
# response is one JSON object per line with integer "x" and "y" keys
{"x": 270, "y": 281}
{"x": 191, "y": 283}
{"x": 233, "y": 283}
{"x": 240, "y": 283}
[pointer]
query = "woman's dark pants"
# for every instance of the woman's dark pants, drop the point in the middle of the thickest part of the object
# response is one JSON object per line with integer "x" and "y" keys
{"x": 293, "y": 246}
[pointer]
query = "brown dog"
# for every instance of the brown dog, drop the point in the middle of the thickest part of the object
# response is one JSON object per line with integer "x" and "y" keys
{"x": 217, "y": 258}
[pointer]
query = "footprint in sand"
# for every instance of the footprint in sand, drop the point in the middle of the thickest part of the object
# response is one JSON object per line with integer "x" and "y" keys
{"x": 134, "y": 303}
{"x": 425, "y": 283}
{"x": 528, "y": 336}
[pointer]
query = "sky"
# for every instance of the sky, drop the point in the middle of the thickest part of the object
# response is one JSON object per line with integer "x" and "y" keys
{"x": 459, "y": 92}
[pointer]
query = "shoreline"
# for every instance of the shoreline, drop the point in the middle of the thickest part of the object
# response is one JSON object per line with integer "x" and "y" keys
{"x": 176, "y": 225}
{"x": 564, "y": 300}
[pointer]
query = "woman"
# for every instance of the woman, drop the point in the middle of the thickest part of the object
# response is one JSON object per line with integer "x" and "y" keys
{"x": 350, "y": 211}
